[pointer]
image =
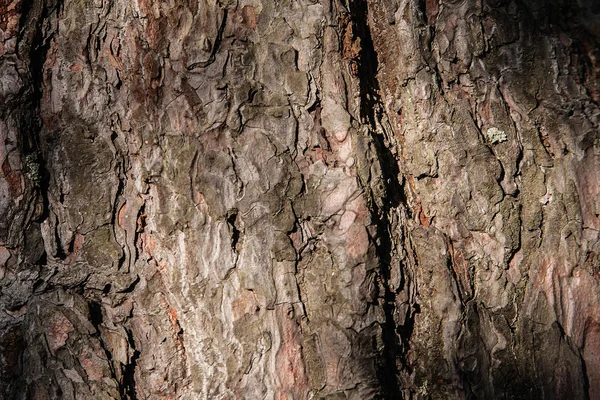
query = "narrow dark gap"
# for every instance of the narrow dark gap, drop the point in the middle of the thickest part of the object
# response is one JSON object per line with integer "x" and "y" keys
{"x": 129, "y": 370}
{"x": 371, "y": 109}
{"x": 118, "y": 194}
{"x": 235, "y": 232}
{"x": 140, "y": 227}
{"x": 393, "y": 195}
{"x": 115, "y": 212}
{"x": 43, "y": 259}
{"x": 72, "y": 244}
{"x": 96, "y": 317}
{"x": 132, "y": 286}
{"x": 586, "y": 379}
{"x": 60, "y": 251}
{"x": 388, "y": 372}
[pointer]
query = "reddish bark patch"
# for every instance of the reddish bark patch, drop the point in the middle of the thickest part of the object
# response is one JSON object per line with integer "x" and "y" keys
{"x": 77, "y": 242}
{"x": 13, "y": 178}
{"x": 249, "y": 16}
{"x": 148, "y": 243}
{"x": 359, "y": 208}
{"x": 423, "y": 218}
{"x": 122, "y": 216}
{"x": 75, "y": 246}
{"x": 58, "y": 331}
{"x": 92, "y": 365}
{"x": 156, "y": 34}
{"x": 175, "y": 327}
{"x": 432, "y": 7}
{"x": 297, "y": 240}
{"x": 247, "y": 303}
{"x": 177, "y": 330}
{"x": 10, "y": 11}
{"x": 351, "y": 46}
{"x": 544, "y": 137}
{"x": 291, "y": 371}
{"x": 357, "y": 240}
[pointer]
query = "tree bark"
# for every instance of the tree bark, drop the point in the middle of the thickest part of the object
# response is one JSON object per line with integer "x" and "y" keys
{"x": 304, "y": 199}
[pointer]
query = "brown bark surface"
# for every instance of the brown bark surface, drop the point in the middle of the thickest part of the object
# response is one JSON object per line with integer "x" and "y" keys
{"x": 260, "y": 199}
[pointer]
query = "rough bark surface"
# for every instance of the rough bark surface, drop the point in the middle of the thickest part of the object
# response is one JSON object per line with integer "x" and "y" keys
{"x": 250, "y": 199}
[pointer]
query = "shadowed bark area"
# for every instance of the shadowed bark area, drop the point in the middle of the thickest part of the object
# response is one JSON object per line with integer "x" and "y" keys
{"x": 260, "y": 199}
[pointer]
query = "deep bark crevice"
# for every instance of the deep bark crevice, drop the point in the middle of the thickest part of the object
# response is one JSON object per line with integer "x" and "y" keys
{"x": 34, "y": 43}
{"x": 392, "y": 196}
{"x": 232, "y": 222}
{"x": 129, "y": 387}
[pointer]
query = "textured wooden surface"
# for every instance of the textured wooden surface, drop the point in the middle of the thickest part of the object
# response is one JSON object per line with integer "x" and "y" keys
{"x": 263, "y": 199}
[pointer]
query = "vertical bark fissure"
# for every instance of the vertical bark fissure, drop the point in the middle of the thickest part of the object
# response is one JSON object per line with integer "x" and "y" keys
{"x": 33, "y": 45}
{"x": 115, "y": 214}
{"x": 585, "y": 377}
{"x": 129, "y": 387}
{"x": 390, "y": 197}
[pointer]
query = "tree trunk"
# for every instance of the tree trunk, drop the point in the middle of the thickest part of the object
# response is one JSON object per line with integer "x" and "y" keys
{"x": 263, "y": 199}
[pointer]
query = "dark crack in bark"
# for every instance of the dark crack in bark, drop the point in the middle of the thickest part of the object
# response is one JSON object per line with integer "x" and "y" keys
{"x": 390, "y": 193}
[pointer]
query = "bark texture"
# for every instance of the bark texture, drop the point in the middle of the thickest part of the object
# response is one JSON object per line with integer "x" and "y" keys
{"x": 259, "y": 199}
